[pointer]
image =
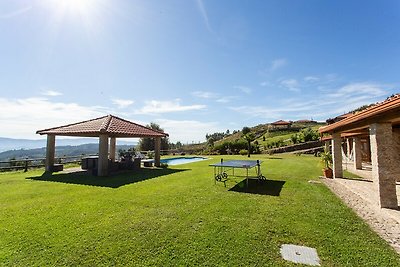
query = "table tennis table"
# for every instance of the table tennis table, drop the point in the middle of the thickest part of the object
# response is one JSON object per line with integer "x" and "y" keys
{"x": 220, "y": 169}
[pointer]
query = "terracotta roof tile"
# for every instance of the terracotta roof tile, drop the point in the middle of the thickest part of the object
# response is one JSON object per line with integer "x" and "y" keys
{"x": 281, "y": 122}
{"x": 111, "y": 125}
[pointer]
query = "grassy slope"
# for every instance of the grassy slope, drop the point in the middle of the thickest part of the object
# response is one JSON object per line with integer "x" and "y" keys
{"x": 179, "y": 218}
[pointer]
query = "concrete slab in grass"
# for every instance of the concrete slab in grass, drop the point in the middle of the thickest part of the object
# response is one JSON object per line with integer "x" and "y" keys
{"x": 300, "y": 254}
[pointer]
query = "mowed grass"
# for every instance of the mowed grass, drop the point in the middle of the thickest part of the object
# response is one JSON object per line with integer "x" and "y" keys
{"x": 178, "y": 216}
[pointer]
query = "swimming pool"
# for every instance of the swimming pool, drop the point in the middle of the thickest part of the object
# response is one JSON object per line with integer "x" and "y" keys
{"x": 181, "y": 160}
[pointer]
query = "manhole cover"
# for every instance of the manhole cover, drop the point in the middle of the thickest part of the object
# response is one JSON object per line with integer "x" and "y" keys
{"x": 300, "y": 254}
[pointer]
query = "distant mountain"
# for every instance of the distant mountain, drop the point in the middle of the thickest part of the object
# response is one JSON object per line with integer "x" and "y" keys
{"x": 15, "y": 144}
{"x": 60, "y": 151}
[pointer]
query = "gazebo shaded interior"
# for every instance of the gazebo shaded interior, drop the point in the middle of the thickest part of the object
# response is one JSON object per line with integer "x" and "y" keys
{"x": 107, "y": 128}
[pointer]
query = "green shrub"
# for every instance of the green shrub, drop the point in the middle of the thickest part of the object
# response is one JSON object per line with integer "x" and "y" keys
{"x": 243, "y": 152}
{"x": 164, "y": 165}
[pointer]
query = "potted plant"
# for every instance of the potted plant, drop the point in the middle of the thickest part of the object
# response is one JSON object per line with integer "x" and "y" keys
{"x": 326, "y": 159}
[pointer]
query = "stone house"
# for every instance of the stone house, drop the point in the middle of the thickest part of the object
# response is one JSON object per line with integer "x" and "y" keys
{"x": 370, "y": 135}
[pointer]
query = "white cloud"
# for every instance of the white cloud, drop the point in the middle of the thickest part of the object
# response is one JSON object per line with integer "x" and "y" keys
{"x": 156, "y": 107}
{"x": 263, "y": 84}
{"x": 204, "y": 94}
{"x": 311, "y": 79}
{"x": 21, "y": 118}
{"x": 226, "y": 99}
{"x": 244, "y": 89}
{"x": 122, "y": 103}
{"x": 187, "y": 131}
{"x": 278, "y": 63}
{"x": 320, "y": 106}
{"x": 291, "y": 84}
{"x": 368, "y": 89}
{"x": 50, "y": 93}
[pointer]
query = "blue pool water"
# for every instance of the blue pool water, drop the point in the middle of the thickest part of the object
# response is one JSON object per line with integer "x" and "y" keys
{"x": 181, "y": 160}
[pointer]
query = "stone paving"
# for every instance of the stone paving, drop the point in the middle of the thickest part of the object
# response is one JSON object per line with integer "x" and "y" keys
{"x": 359, "y": 195}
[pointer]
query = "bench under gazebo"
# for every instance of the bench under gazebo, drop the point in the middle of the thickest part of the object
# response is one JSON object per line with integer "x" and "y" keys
{"x": 107, "y": 129}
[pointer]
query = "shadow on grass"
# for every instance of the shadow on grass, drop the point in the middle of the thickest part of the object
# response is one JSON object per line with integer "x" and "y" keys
{"x": 268, "y": 187}
{"x": 113, "y": 181}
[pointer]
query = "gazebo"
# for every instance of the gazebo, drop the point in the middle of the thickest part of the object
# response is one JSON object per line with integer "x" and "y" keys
{"x": 107, "y": 129}
{"x": 379, "y": 127}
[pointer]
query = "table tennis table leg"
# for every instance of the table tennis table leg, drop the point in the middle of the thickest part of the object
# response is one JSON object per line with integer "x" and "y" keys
{"x": 247, "y": 177}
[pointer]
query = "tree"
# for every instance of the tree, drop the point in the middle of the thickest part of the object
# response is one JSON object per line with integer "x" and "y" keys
{"x": 211, "y": 141}
{"x": 249, "y": 137}
{"x": 147, "y": 143}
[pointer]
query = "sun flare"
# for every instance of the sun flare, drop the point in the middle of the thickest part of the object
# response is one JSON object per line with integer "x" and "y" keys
{"x": 82, "y": 7}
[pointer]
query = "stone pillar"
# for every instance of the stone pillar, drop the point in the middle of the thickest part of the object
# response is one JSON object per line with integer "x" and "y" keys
{"x": 103, "y": 156}
{"x": 396, "y": 150}
{"x": 357, "y": 153}
{"x": 113, "y": 142}
{"x": 368, "y": 150}
{"x": 50, "y": 152}
{"x": 383, "y": 164}
{"x": 157, "y": 148}
{"x": 337, "y": 155}
{"x": 348, "y": 147}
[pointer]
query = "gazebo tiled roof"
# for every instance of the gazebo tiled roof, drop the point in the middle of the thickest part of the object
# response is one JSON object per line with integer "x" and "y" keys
{"x": 110, "y": 125}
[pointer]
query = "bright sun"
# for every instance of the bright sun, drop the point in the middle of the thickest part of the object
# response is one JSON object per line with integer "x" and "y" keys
{"x": 87, "y": 14}
{"x": 74, "y": 7}
{"x": 79, "y": 6}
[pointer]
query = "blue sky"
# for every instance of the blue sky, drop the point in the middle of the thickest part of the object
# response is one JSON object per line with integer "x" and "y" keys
{"x": 193, "y": 66}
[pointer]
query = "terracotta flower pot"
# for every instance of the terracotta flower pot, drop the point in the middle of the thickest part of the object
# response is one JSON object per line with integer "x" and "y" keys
{"x": 328, "y": 173}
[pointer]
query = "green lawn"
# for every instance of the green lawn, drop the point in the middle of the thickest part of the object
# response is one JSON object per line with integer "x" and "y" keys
{"x": 178, "y": 216}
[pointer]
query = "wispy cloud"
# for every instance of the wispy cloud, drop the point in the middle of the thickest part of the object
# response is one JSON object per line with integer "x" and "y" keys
{"x": 311, "y": 79}
{"x": 244, "y": 89}
{"x": 156, "y": 107}
{"x": 291, "y": 84}
{"x": 278, "y": 63}
{"x": 50, "y": 93}
{"x": 369, "y": 89}
{"x": 122, "y": 103}
{"x": 320, "y": 106}
{"x": 204, "y": 15}
{"x": 204, "y": 94}
{"x": 15, "y": 13}
{"x": 226, "y": 99}
{"x": 187, "y": 131}
{"x": 263, "y": 84}
{"x": 21, "y": 118}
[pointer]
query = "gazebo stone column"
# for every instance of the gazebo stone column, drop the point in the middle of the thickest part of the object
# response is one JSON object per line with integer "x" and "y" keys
{"x": 157, "y": 149}
{"x": 50, "y": 152}
{"x": 113, "y": 142}
{"x": 348, "y": 148}
{"x": 337, "y": 155}
{"x": 383, "y": 164}
{"x": 357, "y": 153}
{"x": 103, "y": 155}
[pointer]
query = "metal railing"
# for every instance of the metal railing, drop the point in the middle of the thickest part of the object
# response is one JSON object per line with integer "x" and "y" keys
{"x": 25, "y": 164}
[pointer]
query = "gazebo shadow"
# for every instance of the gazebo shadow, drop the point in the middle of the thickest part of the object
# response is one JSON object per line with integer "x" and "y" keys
{"x": 112, "y": 181}
{"x": 268, "y": 187}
